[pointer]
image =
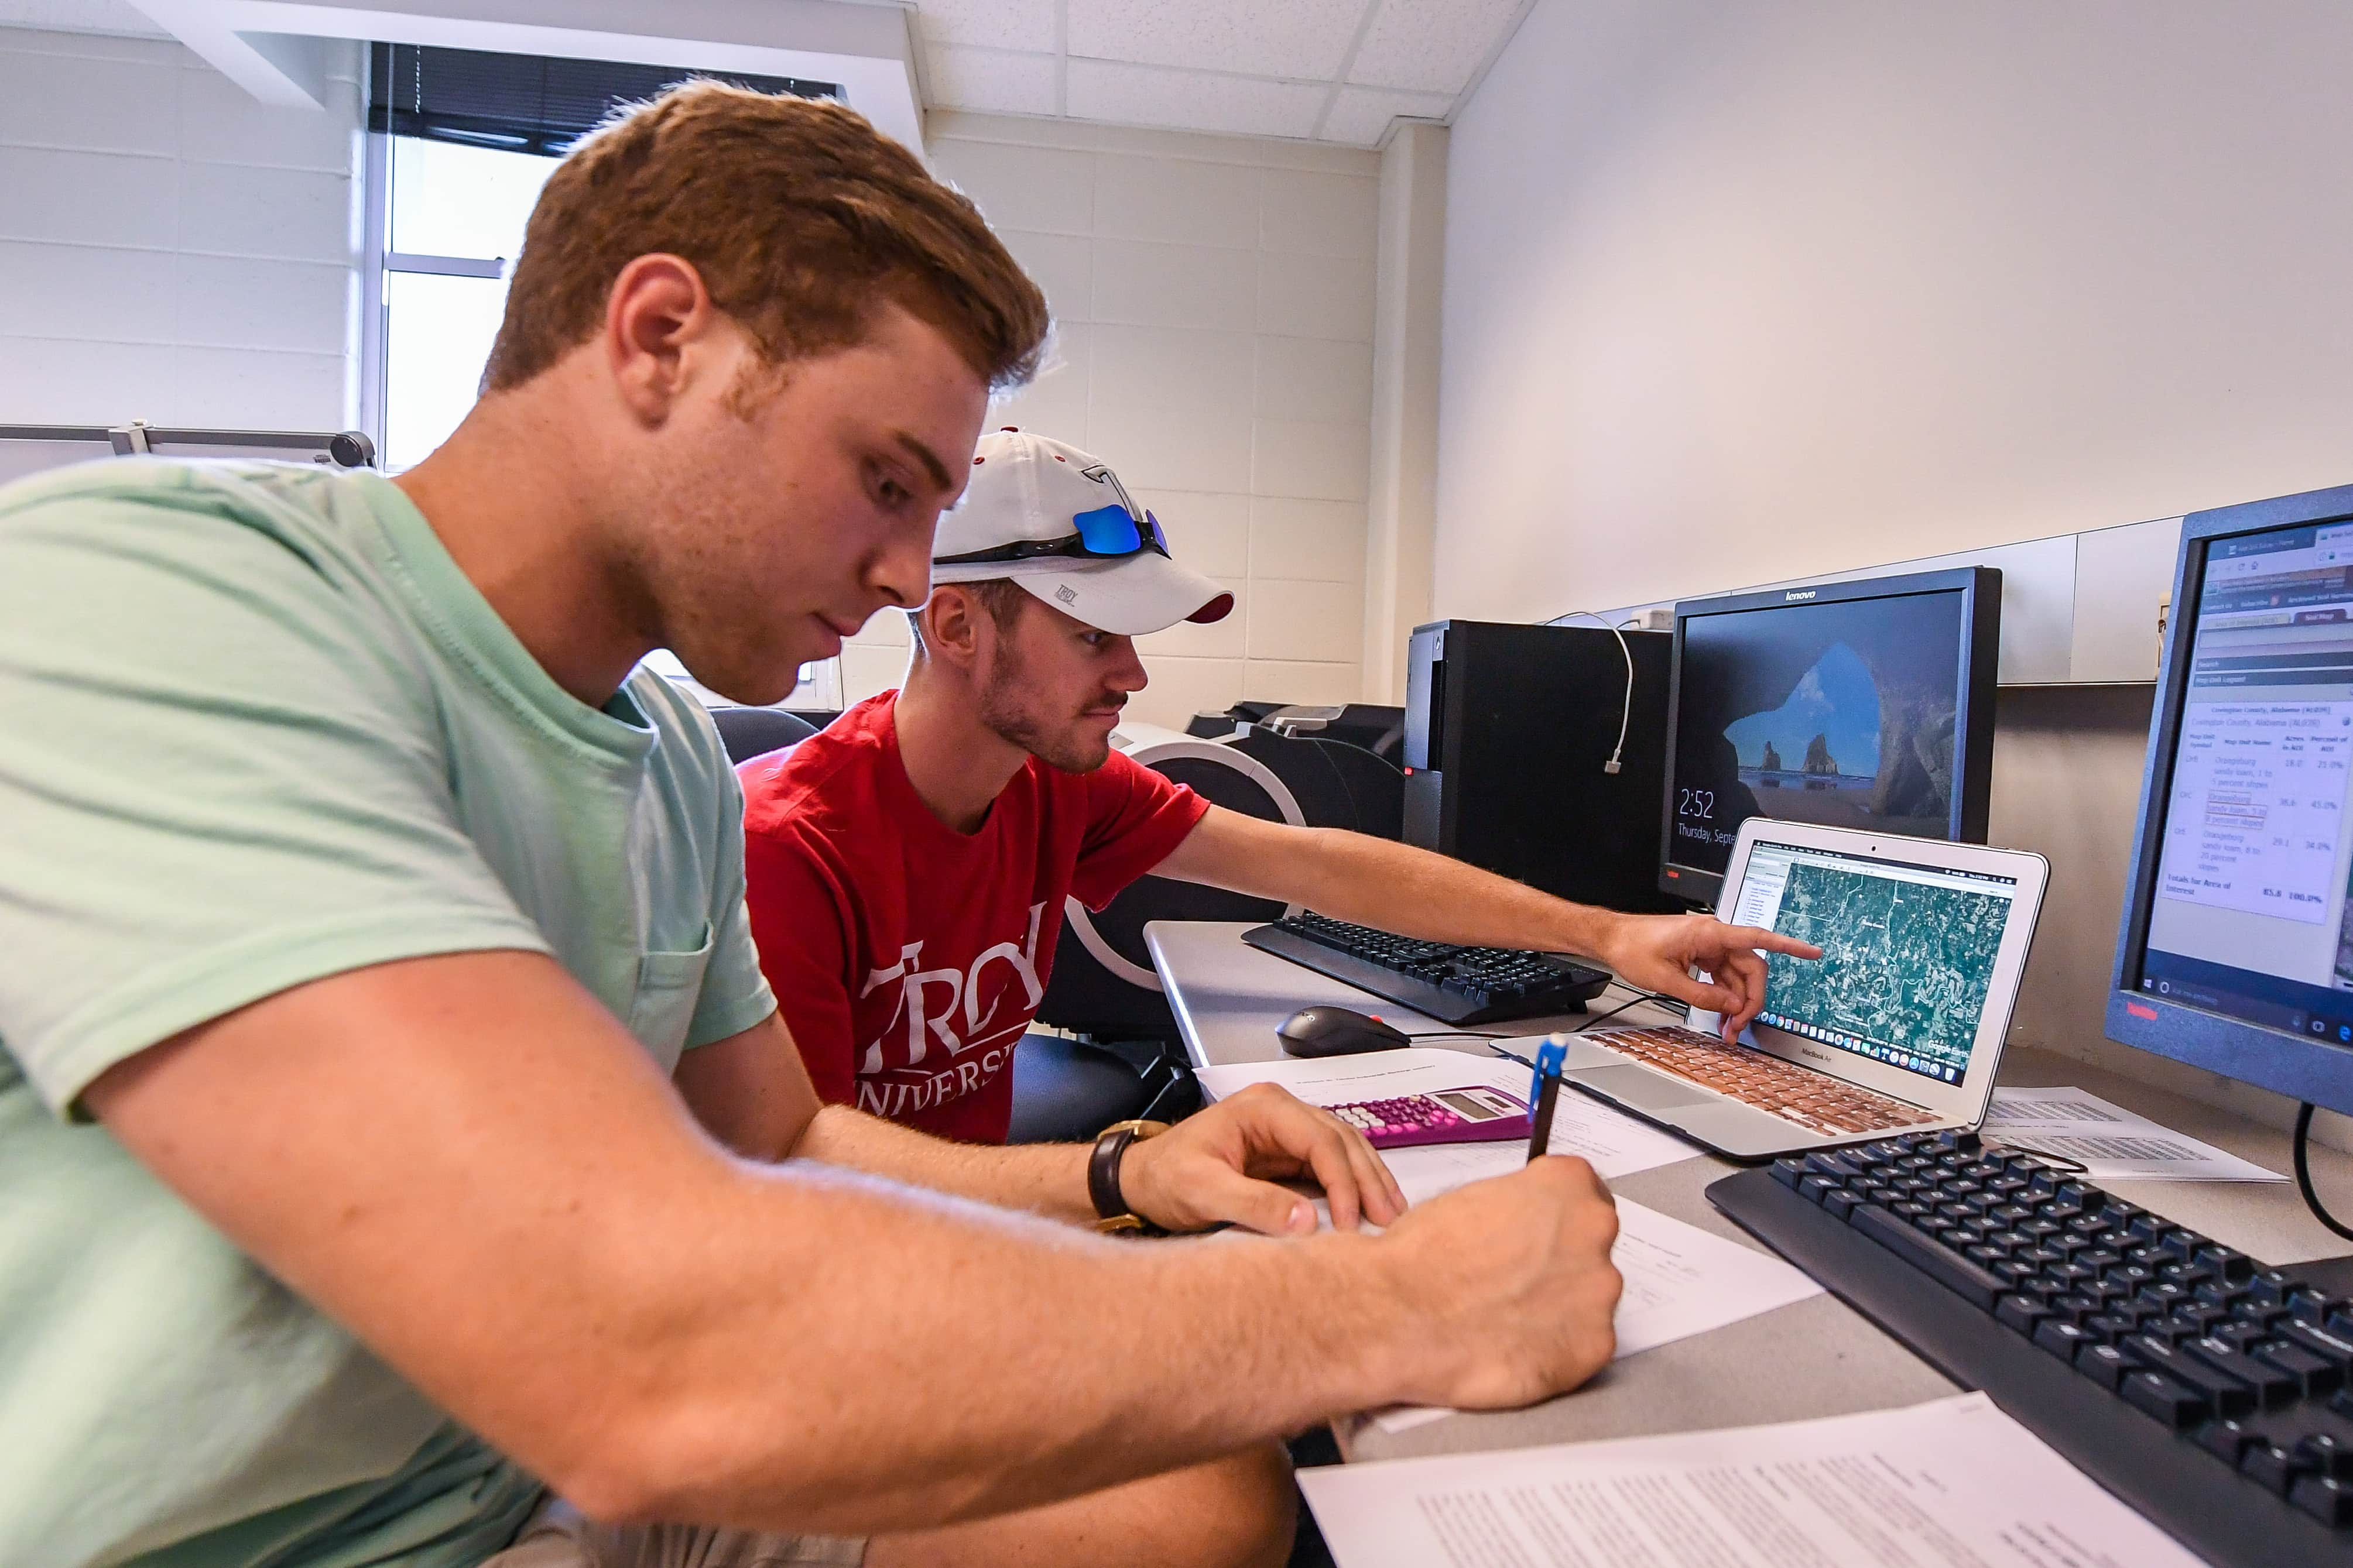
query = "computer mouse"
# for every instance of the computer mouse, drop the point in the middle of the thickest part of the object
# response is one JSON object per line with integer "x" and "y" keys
{"x": 1336, "y": 1032}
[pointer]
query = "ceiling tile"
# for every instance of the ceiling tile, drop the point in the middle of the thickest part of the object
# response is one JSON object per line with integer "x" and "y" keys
{"x": 1191, "y": 100}
{"x": 991, "y": 81}
{"x": 991, "y": 24}
{"x": 1430, "y": 45}
{"x": 1299, "y": 38}
{"x": 1360, "y": 116}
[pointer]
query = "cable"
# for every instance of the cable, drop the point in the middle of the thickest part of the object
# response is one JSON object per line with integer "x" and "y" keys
{"x": 2059, "y": 1163}
{"x": 2304, "y": 1174}
{"x": 1662, "y": 999}
{"x": 1605, "y": 1018}
{"x": 1454, "y": 1035}
{"x": 1626, "y": 714}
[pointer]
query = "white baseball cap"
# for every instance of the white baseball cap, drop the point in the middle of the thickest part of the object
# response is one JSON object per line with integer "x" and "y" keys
{"x": 1058, "y": 521}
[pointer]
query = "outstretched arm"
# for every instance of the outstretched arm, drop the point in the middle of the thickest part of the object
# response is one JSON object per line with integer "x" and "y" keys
{"x": 1417, "y": 893}
{"x": 467, "y": 1162}
{"x": 753, "y": 1093}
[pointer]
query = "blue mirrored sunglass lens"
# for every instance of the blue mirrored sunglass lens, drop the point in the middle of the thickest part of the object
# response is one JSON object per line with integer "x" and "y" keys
{"x": 1155, "y": 533}
{"x": 1109, "y": 530}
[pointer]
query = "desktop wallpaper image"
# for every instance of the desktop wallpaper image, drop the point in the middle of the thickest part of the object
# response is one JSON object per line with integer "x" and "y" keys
{"x": 1840, "y": 714}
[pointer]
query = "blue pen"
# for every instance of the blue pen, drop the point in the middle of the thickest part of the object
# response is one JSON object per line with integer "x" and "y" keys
{"x": 1550, "y": 1058}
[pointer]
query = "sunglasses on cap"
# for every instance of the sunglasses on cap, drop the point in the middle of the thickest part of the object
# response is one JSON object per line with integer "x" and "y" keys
{"x": 1105, "y": 533}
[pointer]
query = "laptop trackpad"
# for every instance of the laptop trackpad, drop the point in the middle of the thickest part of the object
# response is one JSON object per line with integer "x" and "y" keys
{"x": 1641, "y": 1089}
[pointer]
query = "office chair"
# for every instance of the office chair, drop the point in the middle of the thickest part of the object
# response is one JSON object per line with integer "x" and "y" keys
{"x": 749, "y": 732}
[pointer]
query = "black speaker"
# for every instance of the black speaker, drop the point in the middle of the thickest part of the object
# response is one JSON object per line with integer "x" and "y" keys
{"x": 1103, "y": 983}
{"x": 1508, "y": 730}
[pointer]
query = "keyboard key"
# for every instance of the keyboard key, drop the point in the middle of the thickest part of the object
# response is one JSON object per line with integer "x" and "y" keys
{"x": 2328, "y": 1347}
{"x": 2310, "y": 1305}
{"x": 2063, "y": 1339}
{"x": 1940, "y": 1262}
{"x": 2325, "y": 1498}
{"x": 2176, "y": 1406}
{"x": 2324, "y": 1452}
{"x": 2229, "y": 1262}
{"x": 2229, "y": 1440}
{"x": 2103, "y": 1364}
{"x": 2225, "y": 1394}
{"x": 2269, "y": 1465}
{"x": 2271, "y": 1285}
{"x": 2273, "y": 1387}
{"x": 2111, "y": 1327}
{"x": 2021, "y": 1314}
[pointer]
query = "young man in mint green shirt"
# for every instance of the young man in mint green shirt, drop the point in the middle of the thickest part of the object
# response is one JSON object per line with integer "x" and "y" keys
{"x": 390, "y": 1122}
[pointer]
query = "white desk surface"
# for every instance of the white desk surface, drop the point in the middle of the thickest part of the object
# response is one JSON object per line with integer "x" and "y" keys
{"x": 1816, "y": 1358}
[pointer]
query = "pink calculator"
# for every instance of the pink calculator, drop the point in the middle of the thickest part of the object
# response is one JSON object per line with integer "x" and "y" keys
{"x": 1475, "y": 1115}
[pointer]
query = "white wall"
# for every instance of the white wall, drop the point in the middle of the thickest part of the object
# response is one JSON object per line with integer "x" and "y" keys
{"x": 169, "y": 249}
{"x": 1741, "y": 292}
{"x": 1213, "y": 299}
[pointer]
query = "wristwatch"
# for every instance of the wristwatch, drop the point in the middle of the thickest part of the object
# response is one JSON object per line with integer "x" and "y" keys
{"x": 1114, "y": 1216}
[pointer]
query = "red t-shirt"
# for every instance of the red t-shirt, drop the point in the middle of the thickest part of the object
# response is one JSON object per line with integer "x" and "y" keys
{"x": 907, "y": 957}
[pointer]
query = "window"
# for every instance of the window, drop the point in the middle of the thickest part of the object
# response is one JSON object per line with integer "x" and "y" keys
{"x": 457, "y": 216}
{"x": 459, "y": 144}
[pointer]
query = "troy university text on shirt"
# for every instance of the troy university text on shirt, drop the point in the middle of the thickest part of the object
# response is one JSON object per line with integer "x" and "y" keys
{"x": 945, "y": 1040}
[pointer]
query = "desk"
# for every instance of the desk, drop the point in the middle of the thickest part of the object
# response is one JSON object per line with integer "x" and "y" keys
{"x": 1816, "y": 1358}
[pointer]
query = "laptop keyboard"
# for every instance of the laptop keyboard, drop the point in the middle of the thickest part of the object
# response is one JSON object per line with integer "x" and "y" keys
{"x": 1814, "y": 1100}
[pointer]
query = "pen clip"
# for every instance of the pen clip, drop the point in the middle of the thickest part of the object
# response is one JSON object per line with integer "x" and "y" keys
{"x": 1550, "y": 1058}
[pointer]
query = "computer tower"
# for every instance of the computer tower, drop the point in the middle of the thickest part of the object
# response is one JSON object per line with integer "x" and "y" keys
{"x": 1507, "y": 731}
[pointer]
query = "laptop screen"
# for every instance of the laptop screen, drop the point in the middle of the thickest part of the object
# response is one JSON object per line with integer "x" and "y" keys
{"x": 1907, "y": 952}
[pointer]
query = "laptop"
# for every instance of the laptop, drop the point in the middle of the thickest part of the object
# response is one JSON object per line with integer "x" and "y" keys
{"x": 1897, "y": 1029}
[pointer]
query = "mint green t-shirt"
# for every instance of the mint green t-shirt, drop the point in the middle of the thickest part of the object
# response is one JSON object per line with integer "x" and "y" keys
{"x": 256, "y": 727}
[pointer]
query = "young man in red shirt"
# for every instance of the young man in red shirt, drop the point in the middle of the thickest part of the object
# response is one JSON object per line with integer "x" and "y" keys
{"x": 906, "y": 869}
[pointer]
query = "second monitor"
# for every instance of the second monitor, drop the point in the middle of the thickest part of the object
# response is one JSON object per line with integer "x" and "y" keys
{"x": 1864, "y": 704}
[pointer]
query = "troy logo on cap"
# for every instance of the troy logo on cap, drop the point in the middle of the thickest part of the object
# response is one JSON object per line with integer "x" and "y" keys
{"x": 1067, "y": 594}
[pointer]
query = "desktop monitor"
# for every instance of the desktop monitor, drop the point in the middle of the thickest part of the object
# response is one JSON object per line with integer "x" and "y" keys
{"x": 2235, "y": 949}
{"x": 1864, "y": 704}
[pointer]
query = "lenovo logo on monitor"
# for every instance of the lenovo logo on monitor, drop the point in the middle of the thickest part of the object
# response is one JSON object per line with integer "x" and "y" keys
{"x": 1794, "y": 596}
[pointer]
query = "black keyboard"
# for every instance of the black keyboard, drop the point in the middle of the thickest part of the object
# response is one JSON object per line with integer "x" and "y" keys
{"x": 2209, "y": 1391}
{"x": 1454, "y": 985}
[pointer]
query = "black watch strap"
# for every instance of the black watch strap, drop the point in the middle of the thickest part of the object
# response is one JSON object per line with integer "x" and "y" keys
{"x": 1102, "y": 1174}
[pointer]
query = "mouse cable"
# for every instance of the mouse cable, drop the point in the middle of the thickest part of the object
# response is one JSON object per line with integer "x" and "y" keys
{"x": 1625, "y": 714}
{"x": 2304, "y": 1174}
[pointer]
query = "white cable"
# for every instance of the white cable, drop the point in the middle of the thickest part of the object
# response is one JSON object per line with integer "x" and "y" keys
{"x": 1626, "y": 715}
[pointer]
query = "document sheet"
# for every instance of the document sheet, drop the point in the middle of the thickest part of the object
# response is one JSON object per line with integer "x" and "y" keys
{"x": 1616, "y": 1143}
{"x": 1679, "y": 1280}
{"x": 1951, "y": 1484}
{"x": 2112, "y": 1143}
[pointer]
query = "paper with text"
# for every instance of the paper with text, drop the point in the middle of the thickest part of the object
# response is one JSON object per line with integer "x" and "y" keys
{"x": 2112, "y": 1143}
{"x": 1679, "y": 1280}
{"x": 1951, "y": 1484}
